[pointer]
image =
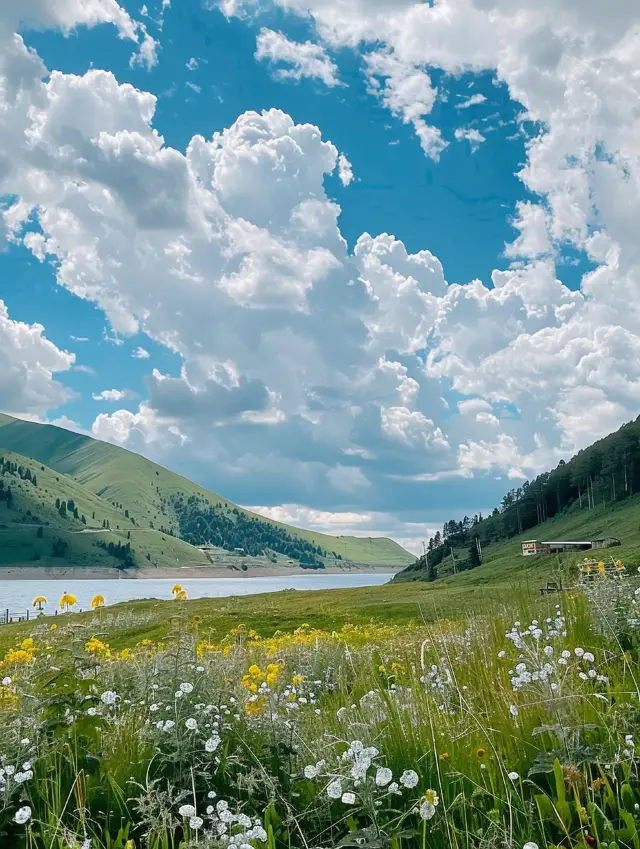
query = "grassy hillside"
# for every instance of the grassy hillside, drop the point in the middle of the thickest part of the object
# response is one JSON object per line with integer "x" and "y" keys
{"x": 31, "y": 524}
{"x": 147, "y": 491}
{"x": 621, "y": 520}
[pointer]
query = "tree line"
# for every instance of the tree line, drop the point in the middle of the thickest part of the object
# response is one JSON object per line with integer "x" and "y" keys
{"x": 605, "y": 473}
{"x": 201, "y": 523}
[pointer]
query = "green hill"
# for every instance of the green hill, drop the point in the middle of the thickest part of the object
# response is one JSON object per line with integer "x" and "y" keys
{"x": 595, "y": 494}
{"x": 50, "y": 518}
{"x": 148, "y": 496}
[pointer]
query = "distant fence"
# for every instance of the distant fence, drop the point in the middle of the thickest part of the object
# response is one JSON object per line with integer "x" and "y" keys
{"x": 8, "y": 616}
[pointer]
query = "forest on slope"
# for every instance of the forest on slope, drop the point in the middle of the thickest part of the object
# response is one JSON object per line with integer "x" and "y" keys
{"x": 605, "y": 474}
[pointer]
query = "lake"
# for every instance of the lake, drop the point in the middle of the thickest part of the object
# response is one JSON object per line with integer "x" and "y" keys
{"x": 17, "y": 596}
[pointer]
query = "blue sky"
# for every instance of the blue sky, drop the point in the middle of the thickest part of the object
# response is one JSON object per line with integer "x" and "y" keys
{"x": 430, "y": 405}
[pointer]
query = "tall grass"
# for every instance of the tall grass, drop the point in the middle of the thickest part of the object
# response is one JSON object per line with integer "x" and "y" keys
{"x": 512, "y": 731}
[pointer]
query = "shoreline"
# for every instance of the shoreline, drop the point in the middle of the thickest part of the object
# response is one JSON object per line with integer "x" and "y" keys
{"x": 79, "y": 573}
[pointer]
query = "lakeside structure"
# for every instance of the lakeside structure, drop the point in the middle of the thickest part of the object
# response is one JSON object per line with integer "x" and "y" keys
{"x": 534, "y": 546}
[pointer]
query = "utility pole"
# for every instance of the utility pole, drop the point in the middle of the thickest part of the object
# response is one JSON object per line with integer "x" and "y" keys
{"x": 453, "y": 560}
{"x": 479, "y": 547}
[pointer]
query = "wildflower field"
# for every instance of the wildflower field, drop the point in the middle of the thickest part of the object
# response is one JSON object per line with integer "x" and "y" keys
{"x": 511, "y": 729}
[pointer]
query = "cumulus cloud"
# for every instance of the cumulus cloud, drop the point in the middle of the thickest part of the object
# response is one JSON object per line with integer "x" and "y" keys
{"x": 345, "y": 170}
{"x": 470, "y": 134}
{"x": 312, "y": 372}
{"x": 110, "y": 395}
{"x": 304, "y": 59}
{"x": 28, "y": 363}
{"x": 140, "y": 353}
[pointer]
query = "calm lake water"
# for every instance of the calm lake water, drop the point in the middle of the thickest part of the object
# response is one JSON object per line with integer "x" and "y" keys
{"x": 19, "y": 595}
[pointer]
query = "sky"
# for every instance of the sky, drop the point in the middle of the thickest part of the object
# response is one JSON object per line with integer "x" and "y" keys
{"x": 362, "y": 267}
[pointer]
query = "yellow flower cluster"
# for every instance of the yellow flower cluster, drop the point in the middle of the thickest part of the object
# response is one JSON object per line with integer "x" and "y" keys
{"x": 256, "y": 707}
{"x": 255, "y": 677}
{"x": 97, "y": 648}
{"x": 24, "y": 654}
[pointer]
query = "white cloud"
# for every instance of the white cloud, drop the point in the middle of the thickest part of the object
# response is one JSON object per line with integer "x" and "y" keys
{"x": 345, "y": 170}
{"x": 470, "y": 134}
{"x": 474, "y": 100}
{"x": 28, "y": 363}
{"x": 305, "y": 59}
{"x": 147, "y": 54}
{"x": 192, "y": 64}
{"x": 140, "y": 354}
{"x": 306, "y": 368}
{"x": 110, "y": 395}
{"x": 411, "y": 428}
{"x": 407, "y": 91}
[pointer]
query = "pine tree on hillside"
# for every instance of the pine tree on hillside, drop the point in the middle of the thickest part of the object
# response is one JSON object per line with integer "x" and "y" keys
{"x": 474, "y": 555}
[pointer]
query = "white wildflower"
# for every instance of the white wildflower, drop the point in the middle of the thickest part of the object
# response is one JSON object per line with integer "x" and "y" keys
{"x": 427, "y": 810}
{"x": 211, "y": 745}
{"x": 186, "y": 687}
{"x": 109, "y": 697}
{"x": 383, "y": 776}
{"x": 310, "y": 771}
{"x": 191, "y": 724}
{"x": 349, "y": 798}
{"x": 514, "y": 776}
{"x": 334, "y": 789}
{"x": 196, "y": 822}
{"x": 187, "y": 811}
{"x": 409, "y": 778}
{"x": 22, "y": 815}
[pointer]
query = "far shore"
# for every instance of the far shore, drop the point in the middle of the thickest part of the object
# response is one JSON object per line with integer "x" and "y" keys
{"x": 89, "y": 573}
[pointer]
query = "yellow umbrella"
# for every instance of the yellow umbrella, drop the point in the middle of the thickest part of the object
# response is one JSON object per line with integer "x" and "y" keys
{"x": 39, "y": 601}
{"x": 97, "y": 601}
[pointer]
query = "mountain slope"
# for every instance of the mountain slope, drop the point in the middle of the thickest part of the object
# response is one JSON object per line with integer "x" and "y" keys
{"x": 52, "y": 519}
{"x": 158, "y": 498}
{"x": 594, "y": 494}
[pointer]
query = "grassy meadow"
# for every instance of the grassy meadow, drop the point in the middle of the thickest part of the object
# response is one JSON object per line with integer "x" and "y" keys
{"x": 456, "y": 714}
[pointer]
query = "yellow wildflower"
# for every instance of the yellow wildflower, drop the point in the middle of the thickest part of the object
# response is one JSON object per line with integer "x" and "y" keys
{"x": 432, "y": 798}
{"x": 297, "y": 680}
{"x": 67, "y": 601}
{"x": 256, "y": 707}
{"x": 97, "y": 647}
